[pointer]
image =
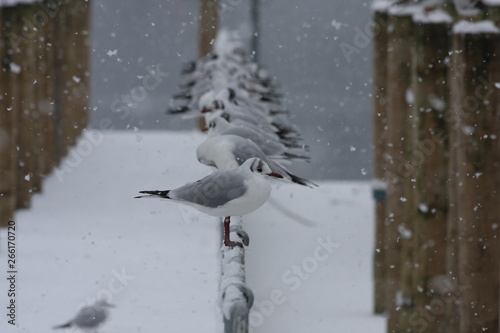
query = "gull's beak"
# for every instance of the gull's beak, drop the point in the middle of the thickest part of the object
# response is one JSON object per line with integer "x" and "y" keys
{"x": 274, "y": 174}
{"x": 206, "y": 110}
{"x": 204, "y": 129}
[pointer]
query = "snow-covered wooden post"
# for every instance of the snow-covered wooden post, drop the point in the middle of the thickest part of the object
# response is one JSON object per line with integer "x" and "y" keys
{"x": 397, "y": 172}
{"x": 236, "y": 297}
{"x": 429, "y": 158}
{"x": 476, "y": 123}
{"x": 380, "y": 18}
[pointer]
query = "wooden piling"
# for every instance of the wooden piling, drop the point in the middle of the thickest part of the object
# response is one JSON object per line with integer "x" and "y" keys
{"x": 451, "y": 245}
{"x": 46, "y": 70}
{"x": 64, "y": 56}
{"x": 380, "y": 18}
{"x": 477, "y": 127}
{"x": 429, "y": 158}
{"x": 43, "y": 93}
{"x": 8, "y": 124}
{"x": 22, "y": 98}
{"x": 397, "y": 172}
{"x": 81, "y": 90}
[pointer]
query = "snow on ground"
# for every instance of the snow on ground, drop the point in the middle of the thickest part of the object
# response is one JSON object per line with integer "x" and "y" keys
{"x": 314, "y": 276}
{"x": 86, "y": 237}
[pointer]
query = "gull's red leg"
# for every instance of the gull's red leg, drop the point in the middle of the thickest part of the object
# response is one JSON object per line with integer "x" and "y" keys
{"x": 227, "y": 241}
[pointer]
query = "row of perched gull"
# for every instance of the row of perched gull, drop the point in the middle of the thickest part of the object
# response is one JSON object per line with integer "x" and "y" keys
{"x": 249, "y": 138}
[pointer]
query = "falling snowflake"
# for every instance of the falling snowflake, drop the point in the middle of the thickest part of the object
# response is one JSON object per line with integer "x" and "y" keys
{"x": 112, "y": 53}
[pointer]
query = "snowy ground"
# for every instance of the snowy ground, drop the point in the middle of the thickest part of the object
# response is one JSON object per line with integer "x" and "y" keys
{"x": 86, "y": 237}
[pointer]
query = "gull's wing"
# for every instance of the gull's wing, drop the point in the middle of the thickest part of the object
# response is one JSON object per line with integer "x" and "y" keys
{"x": 213, "y": 190}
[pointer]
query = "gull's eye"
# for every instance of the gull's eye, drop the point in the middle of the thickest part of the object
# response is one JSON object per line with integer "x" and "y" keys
{"x": 259, "y": 169}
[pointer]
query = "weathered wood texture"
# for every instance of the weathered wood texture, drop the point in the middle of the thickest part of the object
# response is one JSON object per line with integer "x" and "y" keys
{"x": 43, "y": 93}
{"x": 429, "y": 160}
{"x": 380, "y": 146}
{"x": 440, "y": 244}
{"x": 397, "y": 173}
{"x": 477, "y": 127}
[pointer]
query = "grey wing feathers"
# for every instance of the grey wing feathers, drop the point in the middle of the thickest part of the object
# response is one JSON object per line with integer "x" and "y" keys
{"x": 245, "y": 149}
{"x": 212, "y": 191}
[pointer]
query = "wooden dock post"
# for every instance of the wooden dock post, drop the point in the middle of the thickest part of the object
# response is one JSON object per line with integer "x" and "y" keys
{"x": 477, "y": 126}
{"x": 397, "y": 172}
{"x": 8, "y": 124}
{"x": 451, "y": 251}
{"x": 430, "y": 159}
{"x": 46, "y": 100}
{"x": 24, "y": 104}
{"x": 380, "y": 18}
{"x": 41, "y": 114}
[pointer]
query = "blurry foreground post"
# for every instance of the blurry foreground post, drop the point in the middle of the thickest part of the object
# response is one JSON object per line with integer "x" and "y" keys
{"x": 476, "y": 123}
{"x": 398, "y": 173}
{"x": 429, "y": 158}
{"x": 22, "y": 57}
{"x": 8, "y": 121}
{"x": 380, "y": 145}
{"x": 46, "y": 69}
{"x": 398, "y": 112}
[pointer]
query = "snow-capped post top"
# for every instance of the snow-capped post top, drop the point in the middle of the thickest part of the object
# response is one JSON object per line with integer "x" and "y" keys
{"x": 435, "y": 16}
{"x": 481, "y": 27}
{"x": 491, "y": 3}
{"x": 405, "y": 10}
{"x": 6, "y": 3}
{"x": 381, "y": 6}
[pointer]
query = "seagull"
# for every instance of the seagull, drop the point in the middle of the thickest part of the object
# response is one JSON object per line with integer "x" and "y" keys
{"x": 270, "y": 145}
{"x": 225, "y": 193}
{"x": 229, "y": 151}
{"x": 89, "y": 317}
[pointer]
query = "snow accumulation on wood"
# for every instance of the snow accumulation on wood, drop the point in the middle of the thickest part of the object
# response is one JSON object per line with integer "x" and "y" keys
{"x": 491, "y": 2}
{"x": 435, "y": 16}
{"x": 5, "y": 3}
{"x": 381, "y": 5}
{"x": 404, "y": 10}
{"x": 465, "y": 27}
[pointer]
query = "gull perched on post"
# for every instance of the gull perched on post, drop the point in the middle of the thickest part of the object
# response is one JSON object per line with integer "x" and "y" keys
{"x": 225, "y": 193}
{"x": 89, "y": 318}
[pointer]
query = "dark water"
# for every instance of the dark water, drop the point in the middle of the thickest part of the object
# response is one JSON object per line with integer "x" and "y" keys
{"x": 319, "y": 50}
